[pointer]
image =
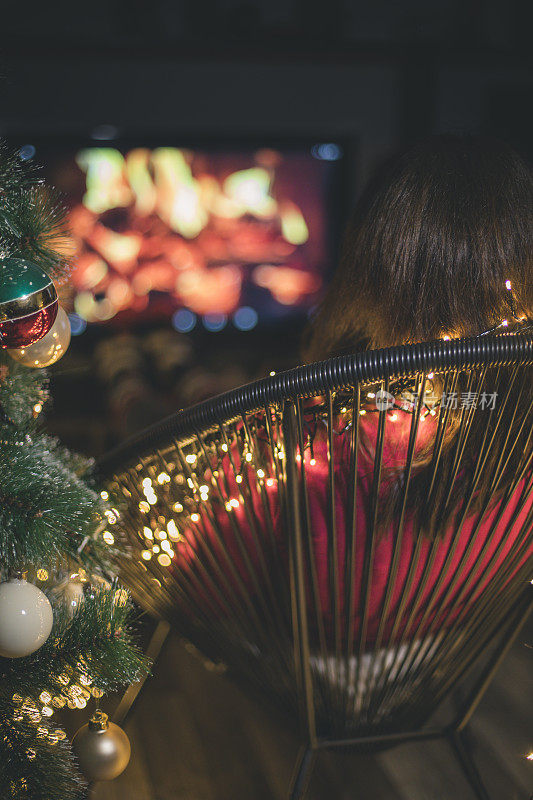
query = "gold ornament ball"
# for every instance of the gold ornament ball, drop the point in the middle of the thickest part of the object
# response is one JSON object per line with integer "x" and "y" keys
{"x": 50, "y": 348}
{"x": 102, "y": 748}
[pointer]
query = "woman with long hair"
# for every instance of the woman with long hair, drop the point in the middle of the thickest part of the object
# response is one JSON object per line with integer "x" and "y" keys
{"x": 439, "y": 247}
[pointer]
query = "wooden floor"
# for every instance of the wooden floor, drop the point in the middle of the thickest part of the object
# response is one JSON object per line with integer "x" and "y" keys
{"x": 196, "y": 736}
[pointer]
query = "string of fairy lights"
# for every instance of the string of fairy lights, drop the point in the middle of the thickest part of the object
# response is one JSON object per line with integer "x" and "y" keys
{"x": 72, "y": 688}
{"x": 194, "y": 483}
{"x": 166, "y": 495}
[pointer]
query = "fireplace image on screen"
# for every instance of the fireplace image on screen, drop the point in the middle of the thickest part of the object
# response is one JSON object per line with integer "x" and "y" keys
{"x": 197, "y": 233}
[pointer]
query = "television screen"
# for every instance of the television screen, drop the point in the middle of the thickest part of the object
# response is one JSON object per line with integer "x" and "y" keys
{"x": 221, "y": 237}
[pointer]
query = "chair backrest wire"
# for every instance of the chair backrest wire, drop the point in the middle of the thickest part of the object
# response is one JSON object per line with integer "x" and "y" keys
{"x": 357, "y": 618}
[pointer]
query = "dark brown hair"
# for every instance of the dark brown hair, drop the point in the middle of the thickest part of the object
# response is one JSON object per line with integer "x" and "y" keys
{"x": 433, "y": 240}
{"x": 433, "y": 243}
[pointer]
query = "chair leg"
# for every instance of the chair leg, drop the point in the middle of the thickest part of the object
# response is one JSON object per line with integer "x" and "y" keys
{"x": 129, "y": 697}
{"x": 468, "y": 765}
{"x": 302, "y": 773}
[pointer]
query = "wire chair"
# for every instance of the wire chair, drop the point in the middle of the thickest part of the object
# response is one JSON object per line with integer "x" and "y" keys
{"x": 227, "y": 541}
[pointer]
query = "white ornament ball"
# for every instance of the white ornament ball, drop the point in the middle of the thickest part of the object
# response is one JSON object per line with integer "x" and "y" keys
{"x": 50, "y": 348}
{"x": 26, "y": 618}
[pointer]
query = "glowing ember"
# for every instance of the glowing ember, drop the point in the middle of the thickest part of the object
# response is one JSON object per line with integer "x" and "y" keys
{"x": 287, "y": 285}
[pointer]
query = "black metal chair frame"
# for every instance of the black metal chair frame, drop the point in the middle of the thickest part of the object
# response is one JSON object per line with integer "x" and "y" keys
{"x": 284, "y": 391}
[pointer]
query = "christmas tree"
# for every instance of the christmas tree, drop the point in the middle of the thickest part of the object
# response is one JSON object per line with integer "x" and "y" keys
{"x": 65, "y": 636}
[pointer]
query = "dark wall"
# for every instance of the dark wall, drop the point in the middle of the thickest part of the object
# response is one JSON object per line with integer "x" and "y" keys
{"x": 378, "y": 74}
{"x": 208, "y": 98}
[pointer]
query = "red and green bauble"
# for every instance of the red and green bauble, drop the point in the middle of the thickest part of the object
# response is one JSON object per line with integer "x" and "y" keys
{"x": 28, "y": 303}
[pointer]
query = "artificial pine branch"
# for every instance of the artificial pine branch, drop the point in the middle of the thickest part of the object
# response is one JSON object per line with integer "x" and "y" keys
{"x": 38, "y": 232}
{"x": 94, "y": 647}
{"x": 46, "y": 511}
{"x": 35, "y": 764}
{"x": 50, "y": 518}
{"x": 96, "y": 641}
{"x": 32, "y": 218}
{"x": 21, "y": 389}
{"x": 15, "y": 174}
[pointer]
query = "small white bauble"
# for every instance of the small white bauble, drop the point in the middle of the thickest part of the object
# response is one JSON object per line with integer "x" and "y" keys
{"x": 50, "y": 348}
{"x": 70, "y": 592}
{"x": 26, "y": 618}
